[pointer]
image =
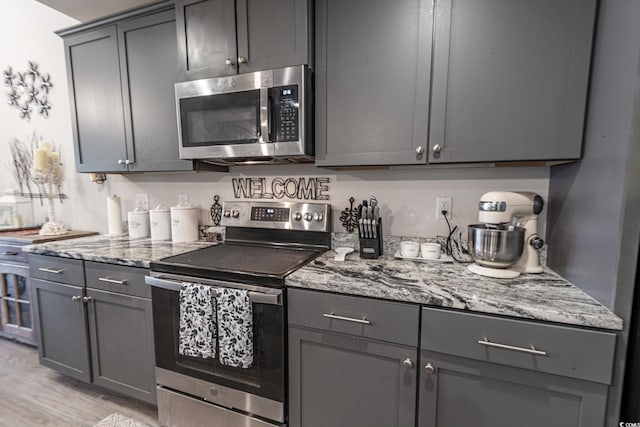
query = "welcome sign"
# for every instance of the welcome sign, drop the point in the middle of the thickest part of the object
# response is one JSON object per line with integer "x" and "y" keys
{"x": 303, "y": 188}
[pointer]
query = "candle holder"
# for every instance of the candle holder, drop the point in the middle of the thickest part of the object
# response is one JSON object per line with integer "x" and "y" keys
{"x": 48, "y": 180}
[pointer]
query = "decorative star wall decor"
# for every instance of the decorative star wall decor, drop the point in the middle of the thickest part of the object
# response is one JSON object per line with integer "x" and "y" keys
{"x": 26, "y": 88}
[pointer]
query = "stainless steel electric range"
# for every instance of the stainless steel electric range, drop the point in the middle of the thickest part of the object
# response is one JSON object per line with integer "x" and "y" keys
{"x": 264, "y": 243}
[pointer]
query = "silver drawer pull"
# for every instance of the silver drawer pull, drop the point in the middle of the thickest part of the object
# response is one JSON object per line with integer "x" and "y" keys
{"x": 531, "y": 350}
{"x": 114, "y": 281}
{"x": 50, "y": 270}
{"x": 9, "y": 253}
{"x": 363, "y": 321}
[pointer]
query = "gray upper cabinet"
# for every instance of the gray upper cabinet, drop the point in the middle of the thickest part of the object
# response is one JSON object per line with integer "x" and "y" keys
{"x": 224, "y": 37}
{"x": 96, "y": 100}
{"x": 121, "y": 73}
{"x": 148, "y": 52}
{"x": 373, "y": 65}
{"x": 451, "y": 81}
{"x": 510, "y": 79}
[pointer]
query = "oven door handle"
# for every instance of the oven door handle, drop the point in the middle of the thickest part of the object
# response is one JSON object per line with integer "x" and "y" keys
{"x": 254, "y": 297}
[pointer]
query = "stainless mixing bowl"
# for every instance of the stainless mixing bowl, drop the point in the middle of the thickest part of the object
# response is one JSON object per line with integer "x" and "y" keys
{"x": 496, "y": 246}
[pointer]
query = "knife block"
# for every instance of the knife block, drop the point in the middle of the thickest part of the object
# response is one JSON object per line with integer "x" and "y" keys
{"x": 372, "y": 248}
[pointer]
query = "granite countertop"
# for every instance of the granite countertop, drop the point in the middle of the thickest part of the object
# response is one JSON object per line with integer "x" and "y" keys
{"x": 119, "y": 250}
{"x": 545, "y": 296}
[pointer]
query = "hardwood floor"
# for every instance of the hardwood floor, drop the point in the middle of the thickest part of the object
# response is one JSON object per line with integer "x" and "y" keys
{"x": 32, "y": 395}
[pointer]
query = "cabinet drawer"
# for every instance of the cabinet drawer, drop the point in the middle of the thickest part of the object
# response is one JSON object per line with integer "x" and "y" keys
{"x": 57, "y": 269}
{"x": 117, "y": 278}
{"x": 12, "y": 253}
{"x": 363, "y": 317}
{"x": 560, "y": 350}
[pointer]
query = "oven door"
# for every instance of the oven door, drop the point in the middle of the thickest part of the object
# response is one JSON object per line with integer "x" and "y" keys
{"x": 259, "y": 389}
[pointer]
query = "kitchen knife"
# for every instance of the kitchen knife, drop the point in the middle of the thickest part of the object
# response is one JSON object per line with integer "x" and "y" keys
{"x": 376, "y": 219}
{"x": 365, "y": 216}
{"x": 360, "y": 221}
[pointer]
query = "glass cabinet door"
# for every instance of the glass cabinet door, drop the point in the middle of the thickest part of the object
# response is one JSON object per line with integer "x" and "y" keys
{"x": 16, "y": 317}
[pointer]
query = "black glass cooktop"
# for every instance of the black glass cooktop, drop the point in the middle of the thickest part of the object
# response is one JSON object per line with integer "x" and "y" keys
{"x": 238, "y": 262}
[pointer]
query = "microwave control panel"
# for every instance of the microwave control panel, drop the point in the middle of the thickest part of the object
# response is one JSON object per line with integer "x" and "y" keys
{"x": 287, "y": 110}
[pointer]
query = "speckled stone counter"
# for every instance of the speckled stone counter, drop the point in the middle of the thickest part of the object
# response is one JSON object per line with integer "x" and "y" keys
{"x": 114, "y": 250}
{"x": 545, "y": 296}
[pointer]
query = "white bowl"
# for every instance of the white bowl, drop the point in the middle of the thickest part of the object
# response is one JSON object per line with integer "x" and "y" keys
{"x": 430, "y": 250}
{"x": 409, "y": 249}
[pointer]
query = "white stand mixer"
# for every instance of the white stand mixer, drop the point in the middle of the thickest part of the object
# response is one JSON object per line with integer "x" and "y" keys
{"x": 521, "y": 209}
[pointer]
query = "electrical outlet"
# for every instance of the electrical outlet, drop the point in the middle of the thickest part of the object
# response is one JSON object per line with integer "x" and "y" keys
{"x": 443, "y": 204}
{"x": 142, "y": 201}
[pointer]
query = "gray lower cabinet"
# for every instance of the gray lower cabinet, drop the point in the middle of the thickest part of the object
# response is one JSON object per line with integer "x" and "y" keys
{"x": 61, "y": 322}
{"x": 16, "y": 314}
{"x": 226, "y": 37}
{"x": 121, "y": 87}
{"x": 339, "y": 375}
{"x": 101, "y": 333}
{"x": 451, "y": 81}
{"x": 121, "y": 336}
{"x": 488, "y": 371}
{"x": 373, "y": 66}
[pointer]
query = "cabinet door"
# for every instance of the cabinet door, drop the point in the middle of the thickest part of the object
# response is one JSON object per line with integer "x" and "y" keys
{"x": 342, "y": 381}
{"x": 458, "y": 392}
{"x": 149, "y": 67}
{"x": 510, "y": 79}
{"x": 93, "y": 72}
{"x": 122, "y": 354}
{"x": 61, "y": 321}
{"x": 373, "y": 60}
{"x": 16, "y": 316}
{"x": 206, "y": 38}
{"x": 272, "y": 34}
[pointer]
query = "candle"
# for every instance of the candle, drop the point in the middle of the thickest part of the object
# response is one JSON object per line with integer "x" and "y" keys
{"x": 40, "y": 159}
{"x": 45, "y": 145}
{"x": 54, "y": 158}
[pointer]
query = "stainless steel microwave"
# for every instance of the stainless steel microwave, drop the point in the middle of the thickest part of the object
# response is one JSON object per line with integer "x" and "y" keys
{"x": 261, "y": 117}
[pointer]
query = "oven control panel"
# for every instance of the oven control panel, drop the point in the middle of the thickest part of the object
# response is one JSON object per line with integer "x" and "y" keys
{"x": 277, "y": 215}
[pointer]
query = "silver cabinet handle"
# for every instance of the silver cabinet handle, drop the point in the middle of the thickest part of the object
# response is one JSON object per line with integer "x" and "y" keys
{"x": 531, "y": 350}
{"x": 121, "y": 162}
{"x": 76, "y": 298}
{"x": 229, "y": 62}
{"x": 10, "y": 253}
{"x": 436, "y": 148}
{"x": 49, "y": 270}
{"x": 128, "y": 162}
{"x": 332, "y": 315}
{"x": 87, "y": 299}
{"x": 114, "y": 281}
{"x": 242, "y": 60}
{"x": 429, "y": 369}
{"x": 419, "y": 149}
{"x": 408, "y": 363}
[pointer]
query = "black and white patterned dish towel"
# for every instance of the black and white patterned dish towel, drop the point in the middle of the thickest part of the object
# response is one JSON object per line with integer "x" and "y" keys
{"x": 235, "y": 327}
{"x": 197, "y": 321}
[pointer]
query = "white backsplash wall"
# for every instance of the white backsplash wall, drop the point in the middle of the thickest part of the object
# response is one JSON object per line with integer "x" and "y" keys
{"x": 407, "y": 196}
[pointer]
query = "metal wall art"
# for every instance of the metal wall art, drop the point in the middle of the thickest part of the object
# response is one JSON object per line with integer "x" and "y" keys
{"x": 216, "y": 211}
{"x": 293, "y": 188}
{"x": 349, "y": 216}
{"x": 28, "y": 90}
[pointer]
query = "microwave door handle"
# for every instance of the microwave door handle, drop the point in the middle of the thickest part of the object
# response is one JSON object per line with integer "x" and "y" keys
{"x": 265, "y": 128}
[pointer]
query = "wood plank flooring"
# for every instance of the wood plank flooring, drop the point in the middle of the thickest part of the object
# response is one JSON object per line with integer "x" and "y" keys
{"x": 32, "y": 395}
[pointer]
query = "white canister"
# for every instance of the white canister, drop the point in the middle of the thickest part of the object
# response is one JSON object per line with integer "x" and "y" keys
{"x": 184, "y": 223}
{"x": 160, "y": 218}
{"x": 138, "y": 223}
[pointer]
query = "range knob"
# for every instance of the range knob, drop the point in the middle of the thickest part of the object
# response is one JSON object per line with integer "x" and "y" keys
{"x": 235, "y": 213}
{"x": 308, "y": 216}
{"x": 297, "y": 216}
{"x": 226, "y": 213}
{"x": 318, "y": 216}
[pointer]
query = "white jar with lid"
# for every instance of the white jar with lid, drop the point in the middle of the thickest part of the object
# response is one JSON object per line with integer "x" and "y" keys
{"x": 160, "y": 219}
{"x": 138, "y": 223}
{"x": 184, "y": 223}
